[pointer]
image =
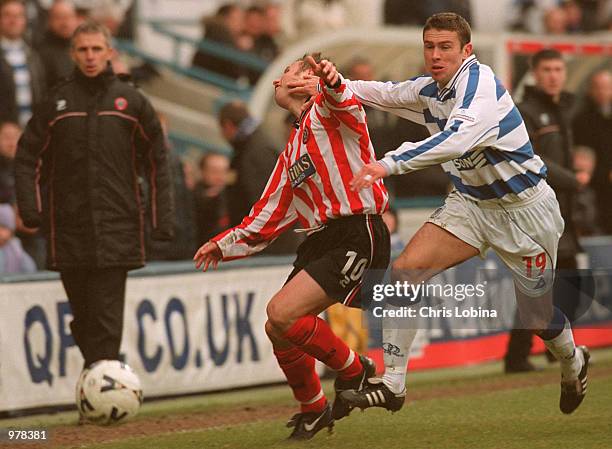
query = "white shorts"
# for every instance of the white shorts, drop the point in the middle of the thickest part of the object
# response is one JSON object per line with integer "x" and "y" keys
{"x": 524, "y": 234}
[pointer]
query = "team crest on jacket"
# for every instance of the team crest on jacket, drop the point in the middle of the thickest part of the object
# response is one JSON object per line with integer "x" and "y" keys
{"x": 305, "y": 135}
{"x": 120, "y": 104}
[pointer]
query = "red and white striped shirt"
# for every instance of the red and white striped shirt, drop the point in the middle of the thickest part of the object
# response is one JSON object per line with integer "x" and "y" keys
{"x": 310, "y": 182}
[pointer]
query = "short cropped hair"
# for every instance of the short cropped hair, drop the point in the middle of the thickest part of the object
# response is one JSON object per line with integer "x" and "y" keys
{"x": 547, "y": 54}
{"x": 91, "y": 27}
{"x": 234, "y": 111}
{"x": 450, "y": 21}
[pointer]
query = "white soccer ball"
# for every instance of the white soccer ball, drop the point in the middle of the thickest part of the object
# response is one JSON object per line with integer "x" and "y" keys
{"x": 108, "y": 392}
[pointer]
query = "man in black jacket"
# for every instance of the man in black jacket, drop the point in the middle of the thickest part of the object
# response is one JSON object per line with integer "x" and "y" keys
{"x": 88, "y": 144}
{"x": 546, "y": 110}
{"x": 253, "y": 160}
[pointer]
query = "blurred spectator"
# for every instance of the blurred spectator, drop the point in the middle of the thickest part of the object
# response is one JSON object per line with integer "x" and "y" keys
{"x": 555, "y": 21}
{"x": 13, "y": 259}
{"x": 254, "y": 158}
{"x": 416, "y": 12}
{"x": 265, "y": 45}
{"x": 461, "y": 7}
{"x": 403, "y": 12}
{"x": 210, "y": 197}
{"x": 54, "y": 49}
{"x": 225, "y": 28}
{"x": 315, "y": 16}
{"x": 183, "y": 244}
{"x": 573, "y": 16}
{"x": 31, "y": 240}
{"x": 9, "y": 135}
{"x": 585, "y": 207}
{"x": 110, "y": 13}
{"x": 254, "y": 24}
{"x": 22, "y": 75}
{"x": 528, "y": 15}
{"x": 593, "y": 128}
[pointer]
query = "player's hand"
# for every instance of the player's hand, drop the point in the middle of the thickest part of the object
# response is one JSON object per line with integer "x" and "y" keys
{"x": 326, "y": 70}
{"x": 209, "y": 253}
{"x": 305, "y": 86}
{"x": 367, "y": 176}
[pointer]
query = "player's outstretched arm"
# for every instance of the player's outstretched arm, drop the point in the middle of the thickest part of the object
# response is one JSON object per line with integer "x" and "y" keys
{"x": 209, "y": 253}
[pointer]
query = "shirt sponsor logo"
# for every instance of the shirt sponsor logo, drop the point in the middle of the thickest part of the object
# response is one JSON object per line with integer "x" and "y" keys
{"x": 303, "y": 168}
{"x": 470, "y": 162}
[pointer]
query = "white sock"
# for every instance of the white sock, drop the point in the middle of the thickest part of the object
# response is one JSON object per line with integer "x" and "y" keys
{"x": 564, "y": 349}
{"x": 396, "y": 352}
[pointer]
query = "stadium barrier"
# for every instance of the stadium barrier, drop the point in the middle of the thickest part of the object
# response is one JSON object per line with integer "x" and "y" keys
{"x": 188, "y": 332}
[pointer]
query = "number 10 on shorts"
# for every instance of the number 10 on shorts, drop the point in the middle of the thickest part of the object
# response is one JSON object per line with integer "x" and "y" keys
{"x": 540, "y": 263}
{"x": 357, "y": 268}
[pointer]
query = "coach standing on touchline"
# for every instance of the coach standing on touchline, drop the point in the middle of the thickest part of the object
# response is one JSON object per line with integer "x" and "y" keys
{"x": 77, "y": 169}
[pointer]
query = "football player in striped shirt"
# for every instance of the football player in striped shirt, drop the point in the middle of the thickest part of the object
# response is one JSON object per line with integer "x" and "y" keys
{"x": 345, "y": 236}
{"x": 500, "y": 199}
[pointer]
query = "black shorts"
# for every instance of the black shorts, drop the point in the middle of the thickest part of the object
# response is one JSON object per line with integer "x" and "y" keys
{"x": 338, "y": 256}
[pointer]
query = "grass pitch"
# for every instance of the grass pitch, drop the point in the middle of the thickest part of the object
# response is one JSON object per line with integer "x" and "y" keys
{"x": 461, "y": 408}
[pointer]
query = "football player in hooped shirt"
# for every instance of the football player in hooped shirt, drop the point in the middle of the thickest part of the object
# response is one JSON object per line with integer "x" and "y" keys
{"x": 346, "y": 236}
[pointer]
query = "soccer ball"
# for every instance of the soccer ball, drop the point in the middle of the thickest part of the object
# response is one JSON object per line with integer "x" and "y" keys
{"x": 108, "y": 392}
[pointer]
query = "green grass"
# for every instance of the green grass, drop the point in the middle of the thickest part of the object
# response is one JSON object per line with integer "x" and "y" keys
{"x": 514, "y": 419}
{"x": 469, "y": 417}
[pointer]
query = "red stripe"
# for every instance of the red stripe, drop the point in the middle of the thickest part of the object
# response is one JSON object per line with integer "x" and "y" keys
{"x": 137, "y": 195}
{"x": 52, "y": 212}
{"x": 66, "y": 115}
{"x": 318, "y": 199}
{"x": 342, "y": 104}
{"x": 367, "y": 155}
{"x": 321, "y": 167}
{"x": 353, "y": 294}
{"x": 299, "y": 192}
{"x": 153, "y": 184}
{"x": 331, "y": 126}
{"x": 130, "y": 118}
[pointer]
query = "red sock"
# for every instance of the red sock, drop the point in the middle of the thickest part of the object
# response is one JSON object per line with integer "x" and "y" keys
{"x": 314, "y": 336}
{"x": 299, "y": 369}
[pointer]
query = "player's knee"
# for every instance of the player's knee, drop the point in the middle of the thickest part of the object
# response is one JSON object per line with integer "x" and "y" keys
{"x": 278, "y": 322}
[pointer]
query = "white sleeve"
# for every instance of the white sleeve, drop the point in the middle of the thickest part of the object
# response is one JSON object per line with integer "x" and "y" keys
{"x": 401, "y": 99}
{"x": 471, "y": 123}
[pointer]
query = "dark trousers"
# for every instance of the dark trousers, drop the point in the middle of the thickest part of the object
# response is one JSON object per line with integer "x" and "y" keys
{"x": 96, "y": 297}
{"x": 565, "y": 296}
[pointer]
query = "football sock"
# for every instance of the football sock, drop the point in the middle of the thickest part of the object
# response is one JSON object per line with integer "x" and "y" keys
{"x": 299, "y": 369}
{"x": 396, "y": 352}
{"x": 314, "y": 336}
{"x": 559, "y": 340}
